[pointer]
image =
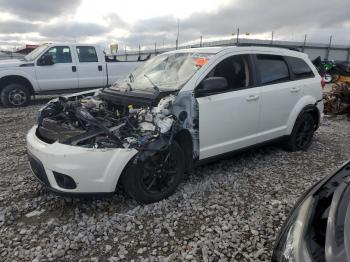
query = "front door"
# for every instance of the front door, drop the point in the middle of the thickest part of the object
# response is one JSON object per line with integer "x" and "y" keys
{"x": 57, "y": 75}
{"x": 229, "y": 120}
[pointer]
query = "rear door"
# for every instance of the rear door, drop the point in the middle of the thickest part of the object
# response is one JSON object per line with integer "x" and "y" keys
{"x": 229, "y": 120}
{"x": 90, "y": 67}
{"x": 61, "y": 74}
{"x": 279, "y": 95}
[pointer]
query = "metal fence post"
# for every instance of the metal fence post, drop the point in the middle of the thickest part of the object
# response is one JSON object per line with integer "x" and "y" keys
{"x": 304, "y": 44}
{"x": 329, "y": 47}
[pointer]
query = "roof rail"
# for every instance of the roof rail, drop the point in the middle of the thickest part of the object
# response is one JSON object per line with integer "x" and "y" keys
{"x": 270, "y": 45}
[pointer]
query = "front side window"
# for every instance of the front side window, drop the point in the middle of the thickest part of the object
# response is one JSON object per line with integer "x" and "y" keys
{"x": 272, "y": 68}
{"x": 300, "y": 68}
{"x": 235, "y": 70}
{"x": 60, "y": 54}
{"x": 87, "y": 54}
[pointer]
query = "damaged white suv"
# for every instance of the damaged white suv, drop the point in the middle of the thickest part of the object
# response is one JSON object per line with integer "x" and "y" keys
{"x": 175, "y": 111}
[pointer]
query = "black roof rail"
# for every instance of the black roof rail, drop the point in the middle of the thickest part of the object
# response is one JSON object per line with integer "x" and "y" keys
{"x": 270, "y": 45}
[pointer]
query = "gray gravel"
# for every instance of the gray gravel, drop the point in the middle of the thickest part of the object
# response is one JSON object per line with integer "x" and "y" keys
{"x": 230, "y": 210}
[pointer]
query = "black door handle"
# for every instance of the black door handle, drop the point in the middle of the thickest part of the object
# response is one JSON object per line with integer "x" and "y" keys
{"x": 99, "y": 68}
{"x": 74, "y": 68}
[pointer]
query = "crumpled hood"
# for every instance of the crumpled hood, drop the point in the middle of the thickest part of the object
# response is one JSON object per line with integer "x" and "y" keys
{"x": 10, "y": 63}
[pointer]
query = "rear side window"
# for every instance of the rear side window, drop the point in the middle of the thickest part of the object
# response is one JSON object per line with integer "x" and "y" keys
{"x": 299, "y": 68}
{"x": 87, "y": 54}
{"x": 272, "y": 69}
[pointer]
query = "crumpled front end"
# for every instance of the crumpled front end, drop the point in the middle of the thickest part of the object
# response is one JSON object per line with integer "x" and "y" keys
{"x": 82, "y": 144}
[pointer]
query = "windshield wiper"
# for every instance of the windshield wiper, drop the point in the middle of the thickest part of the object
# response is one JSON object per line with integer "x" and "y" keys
{"x": 155, "y": 87}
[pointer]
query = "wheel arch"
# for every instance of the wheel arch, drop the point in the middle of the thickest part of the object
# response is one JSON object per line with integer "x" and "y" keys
{"x": 184, "y": 139}
{"x": 307, "y": 104}
{"x": 12, "y": 79}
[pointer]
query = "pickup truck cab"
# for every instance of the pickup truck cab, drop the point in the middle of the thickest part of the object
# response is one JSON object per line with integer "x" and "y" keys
{"x": 177, "y": 110}
{"x": 58, "y": 68}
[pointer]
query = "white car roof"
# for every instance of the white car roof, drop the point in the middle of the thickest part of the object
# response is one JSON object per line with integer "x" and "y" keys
{"x": 216, "y": 50}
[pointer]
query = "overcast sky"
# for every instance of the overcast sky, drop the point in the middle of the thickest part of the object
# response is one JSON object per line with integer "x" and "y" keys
{"x": 130, "y": 23}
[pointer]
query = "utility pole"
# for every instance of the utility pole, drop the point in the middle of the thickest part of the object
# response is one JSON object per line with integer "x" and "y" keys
{"x": 271, "y": 37}
{"x": 200, "y": 43}
{"x": 304, "y": 44}
{"x": 139, "y": 50}
{"x": 178, "y": 32}
{"x": 237, "y": 35}
{"x": 155, "y": 48}
{"x": 329, "y": 47}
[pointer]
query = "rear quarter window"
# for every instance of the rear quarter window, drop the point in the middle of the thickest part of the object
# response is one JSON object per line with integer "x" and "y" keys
{"x": 272, "y": 69}
{"x": 299, "y": 68}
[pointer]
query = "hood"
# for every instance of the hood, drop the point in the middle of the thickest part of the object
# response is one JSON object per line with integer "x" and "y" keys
{"x": 12, "y": 63}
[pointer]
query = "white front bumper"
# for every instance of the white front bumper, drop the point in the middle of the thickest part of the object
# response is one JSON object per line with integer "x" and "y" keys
{"x": 93, "y": 170}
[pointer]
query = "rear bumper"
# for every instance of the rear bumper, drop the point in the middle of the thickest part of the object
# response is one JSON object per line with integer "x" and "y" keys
{"x": 95, "y": 171}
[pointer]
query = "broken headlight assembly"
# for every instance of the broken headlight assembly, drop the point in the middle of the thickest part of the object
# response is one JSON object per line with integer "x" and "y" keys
{"x": 308, "y": 233}
{"x": 291, "y": 246}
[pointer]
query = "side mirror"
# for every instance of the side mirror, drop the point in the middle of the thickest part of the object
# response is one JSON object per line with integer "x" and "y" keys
{"x": 212, "y": 86}
{"x": 46, "y": 60}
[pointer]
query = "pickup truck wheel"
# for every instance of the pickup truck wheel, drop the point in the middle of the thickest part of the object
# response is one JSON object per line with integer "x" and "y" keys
{"x": 302, "y": 134}
{"x": 15, "y": 95}
{"x": 157, "y": 177}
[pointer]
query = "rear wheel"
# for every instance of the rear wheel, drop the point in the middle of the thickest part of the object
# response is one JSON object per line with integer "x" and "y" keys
{"x": 157, "y": 177}
{"x": 302, "y": 134}
{"x": 15, "y": 95}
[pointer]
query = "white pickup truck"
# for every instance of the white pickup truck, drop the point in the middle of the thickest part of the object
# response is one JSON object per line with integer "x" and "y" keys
{"x": 58, "y": 68}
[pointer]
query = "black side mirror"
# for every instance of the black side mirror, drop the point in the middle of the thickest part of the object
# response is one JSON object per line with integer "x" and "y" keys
{"x": 212, "y": 86}
{"x": 46, "y": 60}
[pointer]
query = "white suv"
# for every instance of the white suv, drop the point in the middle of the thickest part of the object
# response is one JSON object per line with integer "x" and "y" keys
{"x": 177, "y": 110}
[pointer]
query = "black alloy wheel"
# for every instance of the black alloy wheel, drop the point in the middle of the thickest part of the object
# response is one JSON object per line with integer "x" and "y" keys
{"x": 305, "y": 133}
{"x": 302, "y": 134}
{"x": 157, "y": 177}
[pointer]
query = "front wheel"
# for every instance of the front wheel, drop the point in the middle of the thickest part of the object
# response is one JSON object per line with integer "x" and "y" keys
{"x": 302, "y": 134}
{"x": 157, "y": 177}
{"x": 15, "y": 95}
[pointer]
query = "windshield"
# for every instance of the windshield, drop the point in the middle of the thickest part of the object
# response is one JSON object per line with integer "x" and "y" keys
{"x": 35, "y": 53}
{"x": 166, "y": 72}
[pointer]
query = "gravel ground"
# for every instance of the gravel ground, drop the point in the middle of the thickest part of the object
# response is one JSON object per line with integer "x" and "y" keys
{"x": 230, "y": 210}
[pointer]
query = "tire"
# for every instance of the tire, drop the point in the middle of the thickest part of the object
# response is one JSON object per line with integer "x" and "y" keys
{"x": 302, "y": 133}
{"x": 143, "y": 180}
{"x": 15, "y": 95}
{"x": 328, "y": 78}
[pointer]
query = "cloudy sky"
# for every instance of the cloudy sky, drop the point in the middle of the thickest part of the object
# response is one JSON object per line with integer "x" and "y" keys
{"x": 131, "y": 22}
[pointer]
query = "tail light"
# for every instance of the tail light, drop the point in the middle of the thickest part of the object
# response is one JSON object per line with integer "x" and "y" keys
{"x": 323, "y": 83}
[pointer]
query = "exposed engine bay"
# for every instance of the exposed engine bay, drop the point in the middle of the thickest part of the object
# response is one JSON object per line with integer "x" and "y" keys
{"x": 105, "y": 120}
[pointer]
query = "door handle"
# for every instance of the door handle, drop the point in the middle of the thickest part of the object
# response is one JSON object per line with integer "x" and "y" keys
{"x": 99, "y": 68}
{"x": 252, "y": 98}
{"x": 74, "y": 68}
{"x": 295, "y": 89}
